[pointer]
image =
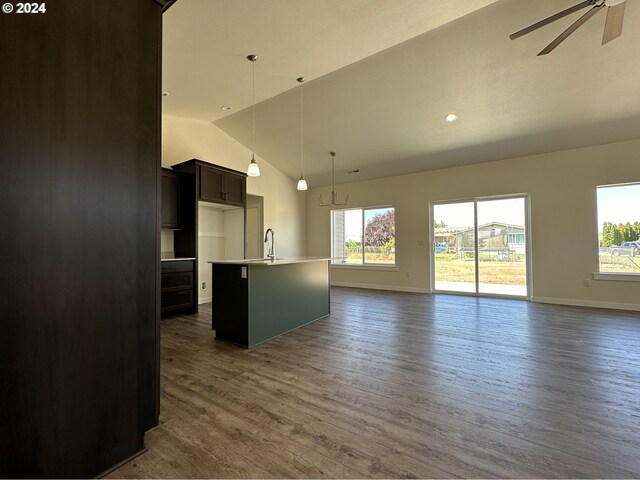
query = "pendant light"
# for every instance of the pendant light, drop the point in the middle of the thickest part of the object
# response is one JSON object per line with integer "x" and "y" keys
{"x": 334, "y": 196}
{"x": 253, "y": 170}
{"x": 302, "y": 183}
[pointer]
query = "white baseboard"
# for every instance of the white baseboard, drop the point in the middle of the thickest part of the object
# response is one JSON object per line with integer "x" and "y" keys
{"x": 587, "y": 303}
{"x": 393, "y": 288}
{"x": 204, "y": 300}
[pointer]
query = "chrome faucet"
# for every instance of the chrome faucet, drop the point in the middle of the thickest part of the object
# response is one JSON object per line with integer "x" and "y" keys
{"x": 272, "y": 250}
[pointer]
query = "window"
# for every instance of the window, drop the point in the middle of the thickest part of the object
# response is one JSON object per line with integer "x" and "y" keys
{"x": 363, "y": 236}
{"x": 516, "y": 238}
{"x": 619, "y": 228}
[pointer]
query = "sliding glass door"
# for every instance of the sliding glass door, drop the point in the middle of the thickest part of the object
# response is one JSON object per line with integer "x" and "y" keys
{"x": 480, "y": 246}
{"x": 502, "y": 252}
{"x": 454, "y": 251}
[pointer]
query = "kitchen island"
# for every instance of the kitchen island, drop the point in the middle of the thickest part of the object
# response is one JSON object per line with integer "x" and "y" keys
{"x": 256, "y": 300}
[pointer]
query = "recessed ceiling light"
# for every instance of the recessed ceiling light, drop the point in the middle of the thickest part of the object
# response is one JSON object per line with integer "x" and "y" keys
{"x": 225, "y": 107}
{"x": 451, "y": 117}
{"x": 165, "y": 94}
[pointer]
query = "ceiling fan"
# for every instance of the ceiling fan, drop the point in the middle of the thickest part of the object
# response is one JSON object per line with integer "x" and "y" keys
{"x": 612, "y": 27}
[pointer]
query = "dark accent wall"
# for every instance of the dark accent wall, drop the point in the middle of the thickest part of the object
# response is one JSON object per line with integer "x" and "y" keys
{"x": 79, "y": 235}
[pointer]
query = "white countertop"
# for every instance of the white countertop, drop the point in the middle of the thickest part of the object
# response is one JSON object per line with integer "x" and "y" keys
{"x": 268, "y": 262}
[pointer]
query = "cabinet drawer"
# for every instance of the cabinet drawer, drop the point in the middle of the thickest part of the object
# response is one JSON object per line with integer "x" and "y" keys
{"x": 176, "y": 281}
{"x": 176, "y": 300}
{"x": 177, "y": 266}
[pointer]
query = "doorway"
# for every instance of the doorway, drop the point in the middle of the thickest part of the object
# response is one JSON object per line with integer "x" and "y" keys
{"x": 481, "y": 246}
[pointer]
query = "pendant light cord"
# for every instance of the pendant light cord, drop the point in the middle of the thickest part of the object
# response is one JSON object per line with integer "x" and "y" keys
{"x": 301, "y": 128}
{"x": 253, "y": 109}
{"x": 302, "y": 183}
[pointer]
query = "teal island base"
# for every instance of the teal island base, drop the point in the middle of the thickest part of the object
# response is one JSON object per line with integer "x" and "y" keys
{"x": 256, "y": 300}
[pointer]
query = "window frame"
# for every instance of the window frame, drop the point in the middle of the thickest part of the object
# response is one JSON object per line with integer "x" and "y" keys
{"x": 363, "y": 263}
{"x": 474, "y": 200}
{"x": 612, "y": 276}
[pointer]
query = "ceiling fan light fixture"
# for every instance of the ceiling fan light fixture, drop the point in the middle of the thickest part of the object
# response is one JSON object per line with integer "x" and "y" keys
{"x": 253, "y": 170}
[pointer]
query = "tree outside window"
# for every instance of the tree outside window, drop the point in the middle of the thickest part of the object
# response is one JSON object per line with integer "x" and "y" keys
{"x": 363, "y": 236}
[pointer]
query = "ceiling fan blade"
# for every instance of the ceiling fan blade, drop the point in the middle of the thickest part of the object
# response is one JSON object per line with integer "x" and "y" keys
{"x": 551, "y": 19}
{"x": 564, "y": 35}
{"x": 613, "y": 25}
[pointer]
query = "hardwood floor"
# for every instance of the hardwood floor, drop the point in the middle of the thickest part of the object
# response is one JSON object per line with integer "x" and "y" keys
{"x": 404, "y": 385}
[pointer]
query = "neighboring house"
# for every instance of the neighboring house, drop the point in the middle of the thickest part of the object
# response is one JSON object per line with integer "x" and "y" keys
{"x": 446, "y": 237}
{"x": 495, "y": 237}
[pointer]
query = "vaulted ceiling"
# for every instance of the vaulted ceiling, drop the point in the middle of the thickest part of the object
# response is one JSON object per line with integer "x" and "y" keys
{"x": 381, "y": 76}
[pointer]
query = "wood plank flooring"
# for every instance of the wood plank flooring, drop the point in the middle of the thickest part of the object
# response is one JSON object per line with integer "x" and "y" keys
{"x": 400, "y": 385}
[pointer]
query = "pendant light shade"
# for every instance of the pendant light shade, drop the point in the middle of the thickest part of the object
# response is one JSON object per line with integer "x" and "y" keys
{"x": 253, "y": 170}
{"x": 302, "y": 183}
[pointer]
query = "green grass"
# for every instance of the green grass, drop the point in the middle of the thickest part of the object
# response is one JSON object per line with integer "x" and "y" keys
{"x": 450, "y": 268}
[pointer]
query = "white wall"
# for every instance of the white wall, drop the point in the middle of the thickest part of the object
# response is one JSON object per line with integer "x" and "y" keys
{"x": 234, "y": 234}
{"x": 564, "y": 230}
{"x": 166, "y": 243}
{"x": 284, "y": 206}
{"x": 253, "y": 219}
{"x": 211, "y": 245}
{"x": 220, "y": 237}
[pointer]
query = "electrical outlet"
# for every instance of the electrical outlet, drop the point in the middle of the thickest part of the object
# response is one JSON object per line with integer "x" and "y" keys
{"x": 586, "y": 283}
{"x": 204, "y": 285}
{"x": 421, "y": 243}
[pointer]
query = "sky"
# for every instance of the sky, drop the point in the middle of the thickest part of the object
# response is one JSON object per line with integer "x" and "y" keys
{"x": 353, "y": 224}
{"x": 510, "y": 210}
{"x": 353, "y": 221}
{"x": 619, "y": 204}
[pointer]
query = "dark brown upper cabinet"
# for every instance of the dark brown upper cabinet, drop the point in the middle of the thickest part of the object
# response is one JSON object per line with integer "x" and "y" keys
{"x": 235, "y": 188}
{"x": 170, "y": 199}
{"x": 220, "y": 186}
{"x": 211, "y": 185}
{"x": 217, "y": 184}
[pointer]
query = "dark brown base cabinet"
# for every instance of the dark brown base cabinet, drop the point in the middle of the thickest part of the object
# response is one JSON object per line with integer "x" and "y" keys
{"x": 178, "y": 292}
{"x": 79, "y": 236}
{"x": 198, "y": 181}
